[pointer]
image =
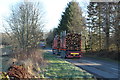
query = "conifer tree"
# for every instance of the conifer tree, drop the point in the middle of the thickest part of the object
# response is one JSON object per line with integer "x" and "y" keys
{"x": 72, "y": 20}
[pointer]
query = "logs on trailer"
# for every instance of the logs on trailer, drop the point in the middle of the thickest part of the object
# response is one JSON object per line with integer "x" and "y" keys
{"x": 68, "y": 45}
{"x": 69, "y": 41}
{"x": 73, "y": 41}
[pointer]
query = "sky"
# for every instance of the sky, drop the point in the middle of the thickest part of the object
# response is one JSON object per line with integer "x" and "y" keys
{"x": 52, "y": 9}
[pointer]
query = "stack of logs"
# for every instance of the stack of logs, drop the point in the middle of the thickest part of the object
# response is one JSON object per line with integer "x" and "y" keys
{"x": 73, "y": 41}
{"x": 16, "y": 72}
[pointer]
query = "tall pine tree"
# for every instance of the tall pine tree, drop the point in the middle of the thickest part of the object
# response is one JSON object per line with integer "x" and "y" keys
{"x": 102, "y": 24}
{"x": 72, "y": 20}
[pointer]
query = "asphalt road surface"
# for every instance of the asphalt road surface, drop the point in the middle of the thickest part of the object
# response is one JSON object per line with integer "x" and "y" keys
{"x": 100, "y": 68}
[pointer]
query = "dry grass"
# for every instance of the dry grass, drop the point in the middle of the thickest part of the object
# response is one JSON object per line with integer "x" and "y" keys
{"x": 33, "y": 61}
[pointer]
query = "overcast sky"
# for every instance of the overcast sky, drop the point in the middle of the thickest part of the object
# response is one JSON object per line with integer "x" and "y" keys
{"x": 52, "y": 9}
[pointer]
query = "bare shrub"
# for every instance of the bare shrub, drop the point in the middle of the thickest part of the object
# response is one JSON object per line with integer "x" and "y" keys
{"x": 32, "y": 61}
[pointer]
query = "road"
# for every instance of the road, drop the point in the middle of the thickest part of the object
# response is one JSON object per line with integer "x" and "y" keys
{"x": 4, "y": 57}
{"x": 100, "y": 68}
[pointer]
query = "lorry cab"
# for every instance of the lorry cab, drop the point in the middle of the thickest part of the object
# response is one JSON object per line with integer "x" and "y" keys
{"x": 55, "y": 46}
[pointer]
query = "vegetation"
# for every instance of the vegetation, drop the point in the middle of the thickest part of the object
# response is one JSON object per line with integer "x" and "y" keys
{"x": 102, "y": 25}
{"x": 33, "y": 63}
{"x": 5, "y": 39}
{"x": 100, "y": 37}
{"x": 103, "y": 32}
{"x": 4, "y": 76}
{"x": 25, "y": 26}
{"x": 24, "y": 32}
{"x": 59, "y": 68}
{"x": 71, "y": 20}
{"x": 100, "y": 30}
{"x": 49, "y": 39}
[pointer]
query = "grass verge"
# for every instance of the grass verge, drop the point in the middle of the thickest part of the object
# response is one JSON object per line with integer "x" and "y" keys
{"x": 59, "y": 68}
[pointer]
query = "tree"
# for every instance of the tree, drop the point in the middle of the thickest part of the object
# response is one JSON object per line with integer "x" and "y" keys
{"x": 25, "y": 23}
{"x": 72, "y": 20}
{"x": 117, "y": 27}
{"x": 102, "y": 24}
{"x": 92, "y": 26}
{"x": 51, "y": 35}
{"x": 49, "y": 39}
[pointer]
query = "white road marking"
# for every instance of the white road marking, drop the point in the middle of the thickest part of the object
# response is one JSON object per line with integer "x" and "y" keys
{"x": 109, "y": 64}
{"x": 97, "y": 63}
{"x": 102, "y": 63}
{"x": 114, "y": 68}
{"x": 90, "y": 61}
{"x": 115, "y": 74}
{"x": 86, "y": 62}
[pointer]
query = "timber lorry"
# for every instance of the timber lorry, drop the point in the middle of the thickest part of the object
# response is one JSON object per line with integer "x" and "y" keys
{"x": 70, "y": 45}
{"x": 56, "y": 45}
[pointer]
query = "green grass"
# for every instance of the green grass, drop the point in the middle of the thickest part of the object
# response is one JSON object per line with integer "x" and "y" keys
{"x": 59, "y": 68}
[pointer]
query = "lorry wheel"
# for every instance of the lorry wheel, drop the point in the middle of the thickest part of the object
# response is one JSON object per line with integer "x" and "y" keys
{"x": 58, "y": 54}
{"x": 53, "y": 52}
{"x": 65, "y": 57}
{"x": 62, "y": 57}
